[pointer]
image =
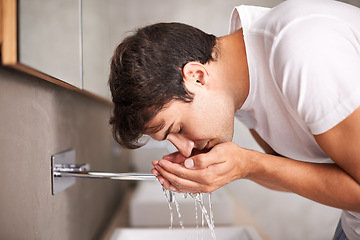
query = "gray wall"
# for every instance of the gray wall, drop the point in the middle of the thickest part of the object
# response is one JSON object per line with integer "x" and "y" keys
{"x": 37, "y": 120}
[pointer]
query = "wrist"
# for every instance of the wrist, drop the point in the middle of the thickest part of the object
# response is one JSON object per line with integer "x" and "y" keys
{"x": 253, "y": 164}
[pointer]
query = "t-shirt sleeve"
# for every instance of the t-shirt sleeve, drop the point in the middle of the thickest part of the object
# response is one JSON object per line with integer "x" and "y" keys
{"x": 316, "y": 64}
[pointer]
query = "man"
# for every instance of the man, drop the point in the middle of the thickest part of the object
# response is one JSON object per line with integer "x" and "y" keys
{"x": 291, "y": 74}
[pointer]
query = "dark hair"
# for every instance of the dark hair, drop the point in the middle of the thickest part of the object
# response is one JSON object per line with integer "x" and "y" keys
{"x": 146, "y": 74}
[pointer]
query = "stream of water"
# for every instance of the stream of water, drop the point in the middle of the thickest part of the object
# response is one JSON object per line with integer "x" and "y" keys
{"x": 206, "y": 213}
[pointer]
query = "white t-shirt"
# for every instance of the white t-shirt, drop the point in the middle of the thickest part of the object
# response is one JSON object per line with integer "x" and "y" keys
{"x": 304, "y": 67}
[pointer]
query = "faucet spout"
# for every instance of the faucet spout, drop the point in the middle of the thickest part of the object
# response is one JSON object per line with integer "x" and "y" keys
{"x": 82, "y": 171}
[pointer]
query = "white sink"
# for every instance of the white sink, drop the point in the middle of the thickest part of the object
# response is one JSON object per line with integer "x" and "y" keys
{"x": 149, "y": 207}
{"x": 222, "y": 233}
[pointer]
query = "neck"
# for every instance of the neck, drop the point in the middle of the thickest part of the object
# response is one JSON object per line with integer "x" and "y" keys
{"x": 233, "y": 67}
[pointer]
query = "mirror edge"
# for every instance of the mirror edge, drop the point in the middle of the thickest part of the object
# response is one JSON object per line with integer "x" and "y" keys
{"x": 9, "y": 32}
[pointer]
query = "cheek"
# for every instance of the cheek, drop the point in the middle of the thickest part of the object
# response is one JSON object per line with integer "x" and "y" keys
{"x": 197, "y": 131}
{"x": 209, "y": 121}
{"x": 225, "y": 126}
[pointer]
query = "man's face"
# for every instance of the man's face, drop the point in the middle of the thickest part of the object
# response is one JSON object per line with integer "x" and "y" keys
{"x": 201, "y": 124}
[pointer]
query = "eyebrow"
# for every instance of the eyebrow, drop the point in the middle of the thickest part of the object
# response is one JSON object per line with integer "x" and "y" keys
{"x": 168, "y": 131}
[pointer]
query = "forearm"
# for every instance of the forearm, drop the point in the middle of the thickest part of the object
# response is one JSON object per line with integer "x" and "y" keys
{"x": 270, "y": 186}
{"x": 324, "y": 183}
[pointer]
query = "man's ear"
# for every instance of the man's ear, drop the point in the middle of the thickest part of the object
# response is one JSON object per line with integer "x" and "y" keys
{"x": 195, "y": 73}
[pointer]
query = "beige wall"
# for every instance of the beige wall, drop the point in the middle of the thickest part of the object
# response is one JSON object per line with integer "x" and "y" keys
{"x": 39, "y": 119}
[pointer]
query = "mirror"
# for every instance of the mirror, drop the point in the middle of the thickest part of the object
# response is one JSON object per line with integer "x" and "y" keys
{"x": 43, "y": 38}
{"x": 46, "y": 39}
{"x": 50, "y": 38}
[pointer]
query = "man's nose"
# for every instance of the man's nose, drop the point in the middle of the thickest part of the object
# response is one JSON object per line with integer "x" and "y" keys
{"x": 183, "y": 145}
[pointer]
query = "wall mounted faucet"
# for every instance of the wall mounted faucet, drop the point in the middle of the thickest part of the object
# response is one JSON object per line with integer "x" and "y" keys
{"x": 64, "y": 170}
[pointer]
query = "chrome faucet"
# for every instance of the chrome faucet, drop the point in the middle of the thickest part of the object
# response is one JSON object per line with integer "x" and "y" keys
{"x": 82, "y": 171}
{"x": 64, "y": 171}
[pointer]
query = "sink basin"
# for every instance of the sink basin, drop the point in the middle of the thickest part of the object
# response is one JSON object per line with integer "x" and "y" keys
{"x": 222, "y": 233}
{"x": 149, "y": 208}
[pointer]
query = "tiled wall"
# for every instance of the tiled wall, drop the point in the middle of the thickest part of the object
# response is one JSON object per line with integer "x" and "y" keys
{"x": 39, "y": 119}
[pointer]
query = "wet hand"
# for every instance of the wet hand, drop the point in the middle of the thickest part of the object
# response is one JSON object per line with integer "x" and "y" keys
{"x": 204, "y": 172}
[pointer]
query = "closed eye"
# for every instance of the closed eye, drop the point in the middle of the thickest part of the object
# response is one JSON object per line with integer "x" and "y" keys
{"x": 180, "y": 131}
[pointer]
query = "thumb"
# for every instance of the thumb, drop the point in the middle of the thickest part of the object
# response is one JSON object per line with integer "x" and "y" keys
{"x": 189, "y": 163}
{"x": 202, "y": 160}
{"x": 199, "y": 161}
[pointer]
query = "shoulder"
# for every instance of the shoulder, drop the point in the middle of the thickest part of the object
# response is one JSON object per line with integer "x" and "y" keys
{"x": 315, "y": 42}
{"x": 315, "y": 62}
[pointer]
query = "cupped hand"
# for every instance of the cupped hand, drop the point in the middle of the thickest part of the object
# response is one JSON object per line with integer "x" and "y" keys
{"x": 203, "y": 172}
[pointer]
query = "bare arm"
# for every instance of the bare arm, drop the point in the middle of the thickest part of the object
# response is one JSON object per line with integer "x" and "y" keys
{"x": 336, "y": 185}
{"x": 267, "y": 149}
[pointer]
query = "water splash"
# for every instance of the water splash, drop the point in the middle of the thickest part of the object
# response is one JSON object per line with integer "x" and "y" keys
{"x": 181, "y": 222}
{"x": 211, "y": 212}
{"x": 199, "y": 234}
{"x": 198, "y": 197}
{"x": 167, "y": 196}
{"x": 199, "y": 203}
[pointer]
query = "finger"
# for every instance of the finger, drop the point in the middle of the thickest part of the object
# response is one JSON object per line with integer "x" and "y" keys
{"x": 189, "y": 186}
{"x": 185, "y": 189}
{"x": 165, "y": 182}
{"x": 175, "y": 169}
{"x": 187, "y": 180}
{"x": 180, "y": 177}
{"x": 185, "y": 185}
{"x": 175, "y": 157}
{"x": 202, "y": 160}
{"x": 155, "y": 172}
{"x": 170, "y": 156}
